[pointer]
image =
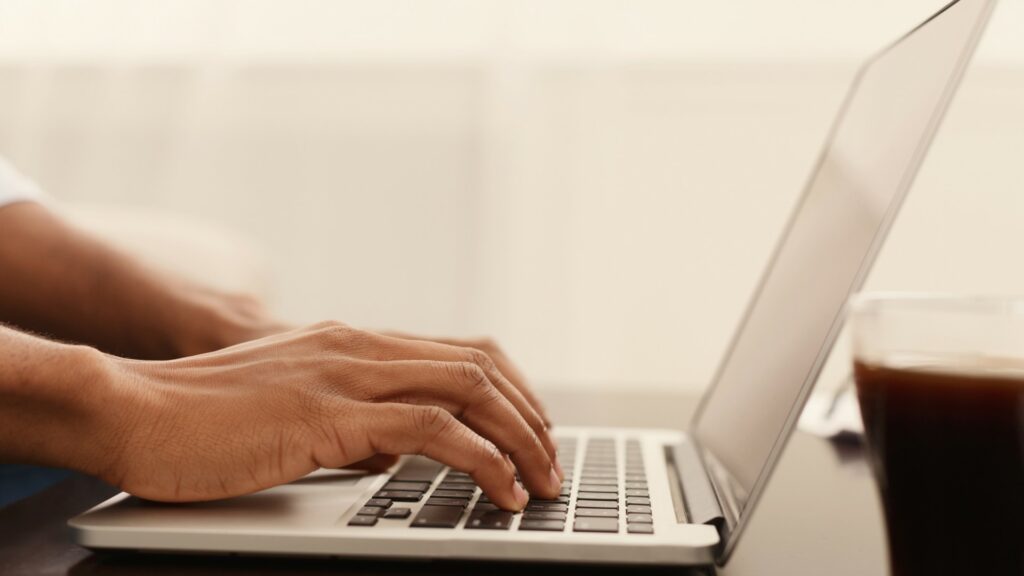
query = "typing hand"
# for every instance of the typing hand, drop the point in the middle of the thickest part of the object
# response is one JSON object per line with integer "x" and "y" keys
{"x": 269, "y": 411}
{"x": 500, "y": 359}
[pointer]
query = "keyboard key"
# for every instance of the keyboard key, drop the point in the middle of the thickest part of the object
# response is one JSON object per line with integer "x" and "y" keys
{"x": 546, "y": 525}
{"x": 447, "y": 502}
{"x": 464, "y": 494}
{"x": 400, "y": 495}
{"x": 641, "y": 493}
{"x": 437, "y": 517}
{"x": 490, "y": 520}
{"x": 411, "y": 486}
{"x": 370, "y": 511}
{"x": 597, "y": 504}
{"x": 418, "y": 469}
{"x": 449, "y": 485}
{"x": 598, "y": 496}
{"x": 640, "y": 529}
{"x": 596, "y": 525}
{"x": 362, "y": 521}
{"x": 379, "y": 502}
{"x": 596, "y": 513}
{"x": 547, "y": 507}
{"x": 559, "y": 500}
{"x": 638, "y": 509}
{"x": 639, "y": 519}
{"x": 598, "y": 488}
{"x": 601, "y": 481}
{"x": 636, "y": 485}
{"x": 397, "y": 513}
{"x": 630, "y": 500}
{"x": 484, "y": 506}
{"x": 535, "y": 515}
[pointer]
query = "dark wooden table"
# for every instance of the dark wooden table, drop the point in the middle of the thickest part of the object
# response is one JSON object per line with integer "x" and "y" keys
{"x": 820, "y": 515}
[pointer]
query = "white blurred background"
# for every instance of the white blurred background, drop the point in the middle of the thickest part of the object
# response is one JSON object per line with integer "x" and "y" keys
{"x": 596, "y": 183}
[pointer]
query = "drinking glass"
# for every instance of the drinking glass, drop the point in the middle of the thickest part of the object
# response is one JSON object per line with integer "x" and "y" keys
{"x": 940, "y": 380}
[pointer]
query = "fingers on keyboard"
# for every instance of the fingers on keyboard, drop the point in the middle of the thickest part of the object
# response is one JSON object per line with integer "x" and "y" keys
{"x": 597, "y": 506}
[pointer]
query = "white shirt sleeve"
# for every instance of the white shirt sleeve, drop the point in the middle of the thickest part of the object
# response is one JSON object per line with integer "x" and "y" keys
{"x": 14, "y": 187}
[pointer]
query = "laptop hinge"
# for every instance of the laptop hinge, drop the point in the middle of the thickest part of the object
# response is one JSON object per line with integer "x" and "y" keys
{"x": 699, "y": 498}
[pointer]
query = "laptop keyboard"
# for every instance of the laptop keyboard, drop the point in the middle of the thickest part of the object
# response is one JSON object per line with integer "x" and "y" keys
{"x": 607, "y": 497}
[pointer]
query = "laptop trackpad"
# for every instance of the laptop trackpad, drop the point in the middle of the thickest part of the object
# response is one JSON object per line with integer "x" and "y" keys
{"x": 316, "y": 500}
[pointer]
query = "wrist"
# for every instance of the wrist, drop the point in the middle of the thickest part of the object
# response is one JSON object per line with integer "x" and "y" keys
{"x": 94, "y": 407}
{"x": 60, "y": 404}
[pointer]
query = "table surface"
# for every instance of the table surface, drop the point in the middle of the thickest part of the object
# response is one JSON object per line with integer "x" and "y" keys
{"x": 820, "y": 515}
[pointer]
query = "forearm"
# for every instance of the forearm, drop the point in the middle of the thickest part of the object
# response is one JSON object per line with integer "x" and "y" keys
{"x": 58, "y": 407}
{"x": 268, "y": 412}
{"x": 61, "y": 282}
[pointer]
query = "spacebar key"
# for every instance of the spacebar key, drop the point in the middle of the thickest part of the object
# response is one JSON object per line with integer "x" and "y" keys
{"x": 438, "y": 517}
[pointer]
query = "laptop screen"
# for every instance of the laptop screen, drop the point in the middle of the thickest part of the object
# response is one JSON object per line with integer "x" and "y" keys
{"x": 875, "y": 148}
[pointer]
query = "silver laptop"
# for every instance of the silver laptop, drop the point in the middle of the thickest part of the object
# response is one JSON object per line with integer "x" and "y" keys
{"x": 633, "y": 496}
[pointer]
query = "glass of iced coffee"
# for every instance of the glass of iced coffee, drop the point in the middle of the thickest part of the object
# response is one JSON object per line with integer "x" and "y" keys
{"x": 940, "y": 381}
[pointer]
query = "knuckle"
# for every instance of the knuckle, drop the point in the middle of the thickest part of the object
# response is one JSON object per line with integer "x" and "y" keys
{"x": 431, "y": 420}
{"x": 315, "y": 401}
{"x": 330, "y": 332}
{"x": 352, "y": 378}
{"x": 355, "y": 340}
{"x": 486, "y": 457}
{"x": 338, "y": 336}
{"x": 327, "y": 325}
{"x": 479, "y": 388}
{"x": 491, "y": 453}
{"x": 442, "y": 369}
{"x": 468, "y": 372}
{"x": 480, "y": 358}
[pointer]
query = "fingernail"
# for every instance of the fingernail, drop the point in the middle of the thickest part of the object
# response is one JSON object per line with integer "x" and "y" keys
{"x": 521, "y": 496}
{"x": 555, "y": 481}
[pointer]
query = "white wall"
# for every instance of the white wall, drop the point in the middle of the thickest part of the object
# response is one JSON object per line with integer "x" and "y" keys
{"x": 597, "y": 183}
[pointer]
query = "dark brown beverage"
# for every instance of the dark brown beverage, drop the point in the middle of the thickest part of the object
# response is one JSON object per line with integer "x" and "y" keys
{"x": 947, "y": 450}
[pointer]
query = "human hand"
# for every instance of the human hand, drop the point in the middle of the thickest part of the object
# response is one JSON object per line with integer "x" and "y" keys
{"x": 497, "y": 355}
{"x": 202, "y": 319}
{"x": 272, "y": 410}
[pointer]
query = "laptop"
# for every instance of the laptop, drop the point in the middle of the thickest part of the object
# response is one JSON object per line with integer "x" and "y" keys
{"x": 632, "y": 496}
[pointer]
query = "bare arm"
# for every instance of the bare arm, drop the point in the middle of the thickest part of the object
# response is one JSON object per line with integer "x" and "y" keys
{"x": 269, "y": 411}
{"x": 63, "y": 283}
{"x": 49, "y": 399}
{"x": 230, "y": 418}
